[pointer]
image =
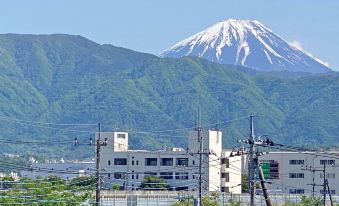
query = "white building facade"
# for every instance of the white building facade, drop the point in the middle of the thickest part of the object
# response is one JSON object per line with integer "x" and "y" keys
{"x": 178, "y": 167}
{"x": 295, "y": 173}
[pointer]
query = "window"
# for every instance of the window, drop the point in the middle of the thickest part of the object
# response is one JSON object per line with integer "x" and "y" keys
{"x": 151, "y": 161}
{"x": 225, "y": 189}
{"x": 181, "y": 175}
{"x": 182, "y": 161}
{"x": 132, "y": 162}
{"x": 120, "y": 161}
{"x": 226, "y": 175}
{"x": 137, "y": 162}
{"x": 297, "y": 175}
{"x": 332, "y": 192}
{"x": 167, "y": 161}
{"x": 226, "y": 161}
{"x": 109, "y": 176}
{"x": 327, "y": 162}
{"x": 297, "y": 191}
{"x": 328, "y": 175}
{"x": 193, "y": 162}
{"x": 109, "y": 162}
{"x": 297, "y": 162}
{"x": 119, "y": 175}
{"x": 166, "y": 175}
{"x": 121, "y": 136}
{"x": 150, "y": 174}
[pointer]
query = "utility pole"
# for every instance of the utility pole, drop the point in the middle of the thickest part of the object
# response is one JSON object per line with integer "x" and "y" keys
{"x": 329, "y": 192}
{"x": 251, "y": 169}
{"x": 313, "y": 170}
{"x": 201, "y": 153}
{"x": 99, "y": 143}
{"x": 262, "y": 182}
{"x": 324, "y": 186}
{"x": 199, "y": 129}
{"x": 97, "y": 167}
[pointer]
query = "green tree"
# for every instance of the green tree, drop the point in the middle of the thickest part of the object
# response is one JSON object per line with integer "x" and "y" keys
{"x": 310, "y": 201}
{"x": 244, "y": 184}
{"x": 45, "y": 192}
{"x": 115, "y": 187}
{"x": 153, "y": 182}
{"x": 206, "y": 201}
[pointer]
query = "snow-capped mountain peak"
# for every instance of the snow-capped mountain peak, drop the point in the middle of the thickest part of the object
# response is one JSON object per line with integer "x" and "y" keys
{"x": 247, "y": 43}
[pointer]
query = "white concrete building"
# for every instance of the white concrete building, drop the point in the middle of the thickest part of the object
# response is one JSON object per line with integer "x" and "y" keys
{"x": 178, "y": 167}
{"x": 291, "y": 172}
{"x": 230, "y": 173}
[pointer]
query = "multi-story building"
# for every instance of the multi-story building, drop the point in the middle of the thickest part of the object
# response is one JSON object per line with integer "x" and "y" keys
{"x": 177, "y": 166}
{"x": 295, "y": 173}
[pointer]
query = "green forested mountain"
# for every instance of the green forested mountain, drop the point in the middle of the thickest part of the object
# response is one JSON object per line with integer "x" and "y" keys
{"x": 64, "y": 79}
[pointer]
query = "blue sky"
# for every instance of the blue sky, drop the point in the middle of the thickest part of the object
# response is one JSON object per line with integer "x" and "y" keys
{"x": 154, "y": 25}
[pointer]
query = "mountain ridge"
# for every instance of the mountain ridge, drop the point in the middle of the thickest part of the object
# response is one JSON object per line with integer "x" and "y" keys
{"x": 67, "y": 80}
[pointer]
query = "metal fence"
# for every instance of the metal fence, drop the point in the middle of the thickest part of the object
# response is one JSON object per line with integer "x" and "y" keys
{"x": 167, "y": 198}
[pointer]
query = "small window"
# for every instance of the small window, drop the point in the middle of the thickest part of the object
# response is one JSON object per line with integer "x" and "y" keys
{"x": 332, "y": 192}
{"x": 182, "y": 161}
{"x": 132, "y": 162}
{"x": 151, "y": 161}
{"x": 150, "y": 174}
{"x": 297, "y": 191}
{"x": 166, "y": 162}
{"x": 193, "y": 162}
{"x": 297, "y": 175}
{"x": 225, "y": 189}
{"x": 166, "y": 175}
{"x": 328, "y": 175}
{"x": 226, "y": 176}
{"x": 120, "y": 161}
{"x": 297, "y": 162}
{"x": 121, "y": 136}
{"x": 109, "y": 162}
{"x": 137, "y": 163}
{"x": 119, "y": 175}
{"x": 181, "y": 175}
{"x": 327, "y": 162}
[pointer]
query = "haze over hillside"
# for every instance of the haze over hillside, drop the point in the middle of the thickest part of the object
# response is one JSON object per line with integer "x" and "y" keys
{"x": 50, "y": 82}
{"x": 246, "y": 43}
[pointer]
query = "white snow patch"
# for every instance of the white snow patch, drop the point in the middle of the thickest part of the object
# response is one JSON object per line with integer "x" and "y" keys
{"x": 268, "y": 57}
{"x": 297, "y": 45}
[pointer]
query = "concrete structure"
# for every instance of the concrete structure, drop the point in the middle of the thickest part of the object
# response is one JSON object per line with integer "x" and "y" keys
{"x": 179, "y": 167}
{"x": 290, "y": 172}
{"x": 66, "y": 170}
{"x": 230, "y": 173}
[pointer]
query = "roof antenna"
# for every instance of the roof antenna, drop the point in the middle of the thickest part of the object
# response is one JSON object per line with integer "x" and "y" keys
{"x": 217, "y": 124}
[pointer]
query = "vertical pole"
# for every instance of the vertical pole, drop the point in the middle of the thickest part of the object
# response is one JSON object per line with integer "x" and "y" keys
{"x": 262, "y": 182}
{"x": 329, "y": 192}
{"x": 200, "y": 164}
{"x": 223, "y": 199}
{"x": 313, "y": 185}
{"x": 199, "y": 129}
{"x": 97, "y": 167}
{"x": 324, "y": 186}
{"x": 250, "y": 163}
